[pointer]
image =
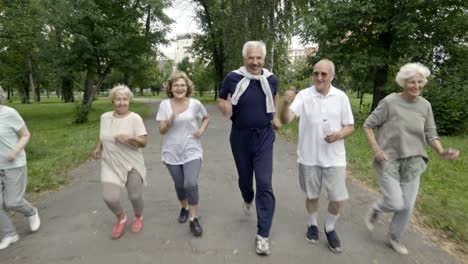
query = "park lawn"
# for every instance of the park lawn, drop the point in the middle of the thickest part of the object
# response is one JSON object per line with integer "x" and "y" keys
{"x": 58, "y": 145}
{"x": 442, "y": 200}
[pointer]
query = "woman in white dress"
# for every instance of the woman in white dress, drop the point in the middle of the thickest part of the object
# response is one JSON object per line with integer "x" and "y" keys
{"x": 121, "y": 138}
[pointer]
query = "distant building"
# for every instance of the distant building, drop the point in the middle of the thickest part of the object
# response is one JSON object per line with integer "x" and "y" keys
{"x": 183, "y": 44}
{"x": 300, "y": 53}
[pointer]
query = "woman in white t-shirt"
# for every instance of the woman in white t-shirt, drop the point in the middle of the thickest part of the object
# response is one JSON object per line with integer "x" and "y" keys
{"x": 121, "y": 138}
{"x": 183, "y": 121}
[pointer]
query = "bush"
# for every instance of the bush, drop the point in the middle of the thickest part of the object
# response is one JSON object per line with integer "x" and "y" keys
{"x": 450, "y": 105}
{"x": 81, "y": 114}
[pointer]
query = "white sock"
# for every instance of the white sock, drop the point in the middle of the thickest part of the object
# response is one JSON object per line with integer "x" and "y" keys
{"x": 330, "y": 222}
{"x": 312, "y": 219}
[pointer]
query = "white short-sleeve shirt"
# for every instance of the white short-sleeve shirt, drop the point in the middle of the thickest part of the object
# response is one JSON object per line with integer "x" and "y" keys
{"x": 180, "y": 145}
{"x": 313, "y": 110}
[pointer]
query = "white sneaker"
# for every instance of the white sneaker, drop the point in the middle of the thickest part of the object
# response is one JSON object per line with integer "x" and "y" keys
{"x": 397, "y": 246}
{"x": 247, "y": 208}
{"x": 34, "y": 221}
{"x": 262, "y": 245}
{"x": 8, "y": 240}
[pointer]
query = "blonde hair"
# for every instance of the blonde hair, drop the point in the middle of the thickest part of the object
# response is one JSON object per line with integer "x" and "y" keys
{"x": 120, "y": 88}
{"x": 173, "y": 78}
{"x": 409, "y": 70}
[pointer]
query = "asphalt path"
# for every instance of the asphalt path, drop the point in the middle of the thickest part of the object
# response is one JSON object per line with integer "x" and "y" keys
{"x": 76, "y": 224}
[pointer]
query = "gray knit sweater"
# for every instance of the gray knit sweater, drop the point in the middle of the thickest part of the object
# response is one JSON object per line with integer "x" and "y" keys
{"x": 404, "y": 127}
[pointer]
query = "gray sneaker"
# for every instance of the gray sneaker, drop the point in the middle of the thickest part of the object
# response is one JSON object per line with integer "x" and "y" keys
{"x": 372, "y": 217}
{"x": 262, "y": 245}
{"x": 397, "y": 246}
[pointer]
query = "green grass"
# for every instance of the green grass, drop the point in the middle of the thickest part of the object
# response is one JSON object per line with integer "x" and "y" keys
{"x": 443, "y": 198}
{"x": 57, "y": 144}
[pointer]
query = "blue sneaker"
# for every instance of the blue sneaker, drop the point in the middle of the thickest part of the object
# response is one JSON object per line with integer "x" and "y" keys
{"x": 312, "y": 235}
{"x": 333, "y": 241}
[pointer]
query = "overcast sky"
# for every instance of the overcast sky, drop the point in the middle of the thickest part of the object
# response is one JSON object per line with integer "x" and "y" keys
{"x": 183, "y": 15}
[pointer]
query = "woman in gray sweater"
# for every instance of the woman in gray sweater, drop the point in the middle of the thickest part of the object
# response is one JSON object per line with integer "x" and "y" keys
{"x": 405, "y": 124}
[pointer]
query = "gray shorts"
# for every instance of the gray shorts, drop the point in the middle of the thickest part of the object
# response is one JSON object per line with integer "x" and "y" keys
{"x": 334, "y": 179}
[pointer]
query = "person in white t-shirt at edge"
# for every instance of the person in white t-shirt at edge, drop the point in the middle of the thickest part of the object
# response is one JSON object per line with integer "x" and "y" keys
{"x": 182, "y": 121}
{"x": 325, "y": 120}
{"x": 122, "y": 136}
{"x": 14, "y": 136}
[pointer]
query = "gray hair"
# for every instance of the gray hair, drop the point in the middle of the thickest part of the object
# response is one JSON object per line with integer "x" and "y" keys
{"x": 254, "y": 44}
{"x": 2, "y": 95}
{"x": 120, "y": 88}
{"x": 409, "y": 70}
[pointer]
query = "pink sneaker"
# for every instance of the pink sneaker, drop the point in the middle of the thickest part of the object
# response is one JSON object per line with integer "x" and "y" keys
{"x": 119, "y": 227}
{"x": 137, "y": 224}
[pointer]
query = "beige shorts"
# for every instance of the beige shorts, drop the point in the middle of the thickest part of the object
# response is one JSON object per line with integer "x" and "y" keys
{"x": 311, "y": 179}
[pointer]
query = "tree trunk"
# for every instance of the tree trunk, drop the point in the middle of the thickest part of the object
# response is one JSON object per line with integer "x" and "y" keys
{"x": 148, "y": 20}
{"x": 67, "y": 90}
{"x": 380, "y": 80}
{"x": 217, "y": 48}
{"x": 31, "y": 79}
{"x": 89, "y": 88}
{"x": 381, "y": 74}
{"x": 25, "y": 99}
{"x": 38, "y": 93}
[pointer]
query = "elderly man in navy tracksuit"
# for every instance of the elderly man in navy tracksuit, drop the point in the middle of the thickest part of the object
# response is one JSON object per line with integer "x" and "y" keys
{"x": 250, "y": 94}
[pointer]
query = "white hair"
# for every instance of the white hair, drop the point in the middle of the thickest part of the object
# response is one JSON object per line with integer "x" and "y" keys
{"x": 330, "y": 64}
{"x": 409, "y": 70}
{"x": 120, "y": 88}
{"x": 254, "y": 44}
{"x": 2, "y": 95}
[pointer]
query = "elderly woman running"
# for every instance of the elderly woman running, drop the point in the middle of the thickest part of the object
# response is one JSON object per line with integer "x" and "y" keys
{"x": 122, "y": 136}
{"x": 182, "y": 121}
{"x": 405, "y": 124}
{"x": 14, "y": 136}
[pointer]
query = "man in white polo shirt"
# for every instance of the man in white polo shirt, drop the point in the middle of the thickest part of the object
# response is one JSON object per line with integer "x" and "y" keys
{"x": 325, "y": 120}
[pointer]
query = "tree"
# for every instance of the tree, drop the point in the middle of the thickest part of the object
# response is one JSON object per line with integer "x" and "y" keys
{"x": 185, "y": 66}
{"x": 202, "y": 77}
{"x": 20, "y": 38}
{"x": 228, "y": 24}
{"x": 370, "y": 45}
{"x": 101, "y": 35}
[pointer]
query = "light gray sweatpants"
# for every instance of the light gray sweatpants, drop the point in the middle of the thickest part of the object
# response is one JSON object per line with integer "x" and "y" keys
{"x": 111, "y": 194}
{"x": 399, "y": 184}
{"x": 12, "y": 187}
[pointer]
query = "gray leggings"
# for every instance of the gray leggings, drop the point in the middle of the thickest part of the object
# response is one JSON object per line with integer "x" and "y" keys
{"x": 111, "y": 194}
{"x": 185, "y": 178}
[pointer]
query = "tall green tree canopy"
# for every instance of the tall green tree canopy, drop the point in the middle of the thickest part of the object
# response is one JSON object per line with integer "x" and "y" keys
{"x": 370, "y": 40}
{"x": 228, "y": 24}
